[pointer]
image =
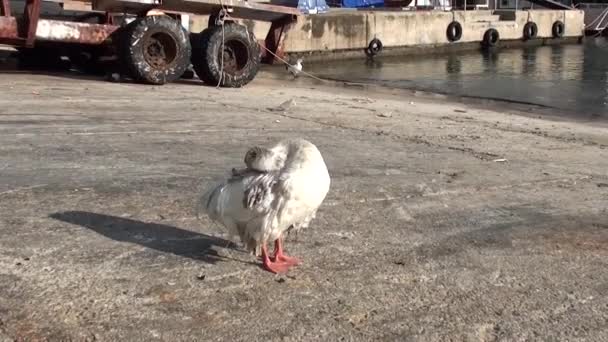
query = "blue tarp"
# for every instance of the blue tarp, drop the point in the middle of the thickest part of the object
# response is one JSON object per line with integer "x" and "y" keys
{"x": 361, "y": 3}
{"x": 312, "y": 6}
{"x": 305, "y": 6}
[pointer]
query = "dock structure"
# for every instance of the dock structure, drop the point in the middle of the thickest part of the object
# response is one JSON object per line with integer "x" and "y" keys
{"x": 401, "y": 32}
{"x": 347, "y": 33}
{"x": 192, "y": 31}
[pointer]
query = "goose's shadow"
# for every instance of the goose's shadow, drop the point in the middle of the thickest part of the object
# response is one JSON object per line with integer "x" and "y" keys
{"x": 161, "y": 237}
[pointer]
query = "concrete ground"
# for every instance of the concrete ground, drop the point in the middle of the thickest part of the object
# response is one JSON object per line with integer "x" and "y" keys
{"x": 445, "y": 220}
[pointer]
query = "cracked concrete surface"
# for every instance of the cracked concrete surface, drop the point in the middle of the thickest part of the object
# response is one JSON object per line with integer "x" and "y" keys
{"x": 445, "y": 220}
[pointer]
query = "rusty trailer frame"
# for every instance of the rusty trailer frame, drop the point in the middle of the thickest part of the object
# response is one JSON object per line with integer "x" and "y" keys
{"x": 29, "y": 28}
{"x": 25, "y": 31}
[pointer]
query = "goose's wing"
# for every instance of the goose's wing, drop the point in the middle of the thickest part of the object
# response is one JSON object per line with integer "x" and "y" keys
{"x": 261, "y": 191}
{"x": 242, "y": 197}
{"x": 247, "y": 205}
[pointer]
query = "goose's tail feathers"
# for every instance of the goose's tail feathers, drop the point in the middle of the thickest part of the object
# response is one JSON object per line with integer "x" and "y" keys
{"x": 210, "y": 201}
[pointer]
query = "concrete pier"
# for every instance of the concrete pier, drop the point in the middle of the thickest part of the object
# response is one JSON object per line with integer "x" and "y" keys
{"x": 344, "y": 33}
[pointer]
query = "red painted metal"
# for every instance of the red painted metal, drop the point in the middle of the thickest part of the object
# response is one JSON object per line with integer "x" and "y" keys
{"x": 9, "y": 31}
{"x": 31, "y": 28}
{"x": 31, "y": 15}
{"x": 239, "y": 9}
{"x": 274, "y": 39}
{"x": 73, "y": 32}
{"x": 57, "y": 31}
{"x": 5, "y": 8}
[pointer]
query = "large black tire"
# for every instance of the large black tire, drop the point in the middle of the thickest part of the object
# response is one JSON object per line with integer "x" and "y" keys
{"x": 155, "y": 49}
{"x": 558, "y": 29}
{"x": 374, "y": 47}
{"x": 491, "y": 38}
{"x": 530, "y": 30}
{"x": 241, "y": 56}
{"x": 454, "y": 31}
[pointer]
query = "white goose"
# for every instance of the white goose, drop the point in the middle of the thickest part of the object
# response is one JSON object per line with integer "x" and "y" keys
{"x": 280, "y": 190}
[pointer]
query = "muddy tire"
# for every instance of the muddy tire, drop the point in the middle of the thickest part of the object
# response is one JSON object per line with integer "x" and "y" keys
{"x": 155, "y": 49}
{"x": 240, "y": 56}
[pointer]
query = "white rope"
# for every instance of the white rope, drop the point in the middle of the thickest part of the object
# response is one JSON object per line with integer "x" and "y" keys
{"x": 279, "y": 58}
{"x": 224, "y": 14}
{"x": 222, "y": 61}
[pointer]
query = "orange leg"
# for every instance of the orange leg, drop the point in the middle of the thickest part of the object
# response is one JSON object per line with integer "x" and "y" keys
{"x": 271, "y": 265}
{"x": 280, "y": 257}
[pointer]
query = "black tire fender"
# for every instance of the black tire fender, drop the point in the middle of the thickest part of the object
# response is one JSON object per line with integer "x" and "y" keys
{"x": 558, "y": 29}
{"x": 240, "y": 47}
{"x": 490, "y": 38}
{"x": 454, "y": 31}
{"x": 164, "y": 33}
{"x": 374, "y": 47}
{"x": 530, "y": 30}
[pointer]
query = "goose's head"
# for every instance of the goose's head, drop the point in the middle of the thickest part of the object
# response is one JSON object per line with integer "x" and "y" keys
{"x": 299, "y": 61}
{"x": 263, "y": 159}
